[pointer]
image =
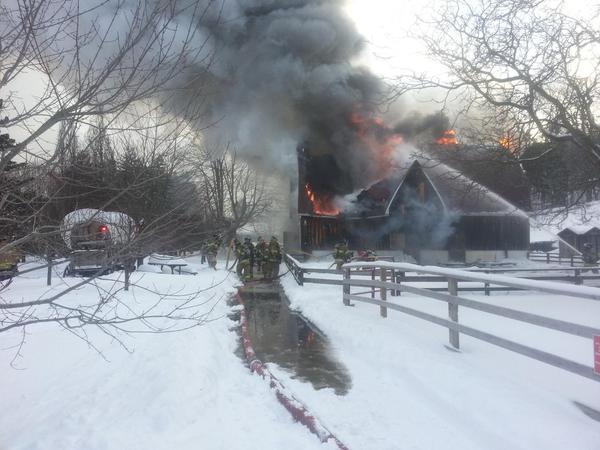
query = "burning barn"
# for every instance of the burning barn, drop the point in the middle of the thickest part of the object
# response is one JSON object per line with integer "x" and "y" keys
{"x": 421, "y": 210}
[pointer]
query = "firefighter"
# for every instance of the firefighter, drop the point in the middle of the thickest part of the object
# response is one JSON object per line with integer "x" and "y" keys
{"x": 239, "y": 250}
{"x": 273, "y": 258}
{"x": 245, "y": 255}
{"x": 341, "y": 254}
{"x": 217, "y": 239}
{"x": 260, "y": 254}
{"x": 212, "y": 249}
{"x": 249, "y": 247}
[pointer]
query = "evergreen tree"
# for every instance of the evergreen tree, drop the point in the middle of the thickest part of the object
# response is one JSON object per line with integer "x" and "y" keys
{"x": 18, "y": 203}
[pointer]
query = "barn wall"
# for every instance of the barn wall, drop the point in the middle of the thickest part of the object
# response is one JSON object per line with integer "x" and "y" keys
{"x": 433, "y": 257}
{"x": 494, "y": 232}
{"x": 473, "y": 256}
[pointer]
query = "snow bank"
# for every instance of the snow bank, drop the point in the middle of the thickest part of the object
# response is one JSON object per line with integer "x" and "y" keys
{"x": 185, "y": 390}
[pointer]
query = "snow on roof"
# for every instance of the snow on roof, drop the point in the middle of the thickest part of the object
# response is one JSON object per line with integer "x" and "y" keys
{"x": 120, "y": 225}
{"x": 581, "y": 229}
{"x": 457, "y": 192}
{"x": 158, "y": 259}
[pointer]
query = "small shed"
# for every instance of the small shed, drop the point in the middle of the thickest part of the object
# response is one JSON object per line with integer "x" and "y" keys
{"x": 577, "y": 236}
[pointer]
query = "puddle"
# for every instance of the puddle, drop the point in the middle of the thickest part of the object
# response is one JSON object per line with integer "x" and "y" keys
{"x": 281, "y": 336}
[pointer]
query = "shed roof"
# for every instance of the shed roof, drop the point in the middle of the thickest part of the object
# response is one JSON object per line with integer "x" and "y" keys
{"x": 456, "y": 192}
{"x": 580, "y": 229}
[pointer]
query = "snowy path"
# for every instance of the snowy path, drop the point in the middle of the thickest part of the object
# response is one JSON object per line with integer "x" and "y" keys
{"x": 178, "y": 391}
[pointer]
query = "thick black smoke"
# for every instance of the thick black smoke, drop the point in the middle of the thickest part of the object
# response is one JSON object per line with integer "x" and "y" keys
{"x": 285, "y": 72}
{"x": 415, "y": 124}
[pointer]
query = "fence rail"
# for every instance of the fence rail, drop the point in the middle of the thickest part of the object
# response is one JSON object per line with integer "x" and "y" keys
{"x": 384, "y": 281}
{"x": 573, "y": 275}
{"x": 554, "y": 258}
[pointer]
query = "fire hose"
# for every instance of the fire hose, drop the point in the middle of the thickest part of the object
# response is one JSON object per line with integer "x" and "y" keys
{"x": 298, "y": 411}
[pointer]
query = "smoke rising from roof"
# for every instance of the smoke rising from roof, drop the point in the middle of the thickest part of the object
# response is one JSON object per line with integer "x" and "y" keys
{"x": 284, "y": 72}
{"x": 273, "y": 74}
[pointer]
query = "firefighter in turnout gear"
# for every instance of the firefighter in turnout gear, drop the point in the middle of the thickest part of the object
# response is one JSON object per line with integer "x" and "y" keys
{"x": 250, "y": 249}
{"x": 341, "y": 254}
{"x": 245, "y": 259}
{"x": 211, "y": 251}
{"x": 260, "y": 254}
{"x": 238, "y": 249}
{"x": 273, "y": 259}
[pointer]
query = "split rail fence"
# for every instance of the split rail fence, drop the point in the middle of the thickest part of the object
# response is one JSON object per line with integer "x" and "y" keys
{"x": 385, "y": 280}
{"x": 574, "y": 275}
{"x": 553, "y": 258}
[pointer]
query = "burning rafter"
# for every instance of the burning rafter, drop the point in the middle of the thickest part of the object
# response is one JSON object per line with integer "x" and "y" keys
{"x": 321, "y": 204}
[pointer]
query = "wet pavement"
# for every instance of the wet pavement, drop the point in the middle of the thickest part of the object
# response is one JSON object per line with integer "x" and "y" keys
{"x": 283, "y": 337}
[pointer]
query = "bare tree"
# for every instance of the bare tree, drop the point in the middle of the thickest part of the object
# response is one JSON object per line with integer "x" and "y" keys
{"x": 528, "y": 59}
{"x": 521, "y": 71}
{"x": 233, "y": 192}
{"x": 115, "y": 60}
{"x": 94, "y": 61}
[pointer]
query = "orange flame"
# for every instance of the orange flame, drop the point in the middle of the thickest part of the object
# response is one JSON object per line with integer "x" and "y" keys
{"x": 378, "y": 138}
{"x": 448, "y": 138}
{"x": 506, "y": 142}
{"x": 321, "y": 205}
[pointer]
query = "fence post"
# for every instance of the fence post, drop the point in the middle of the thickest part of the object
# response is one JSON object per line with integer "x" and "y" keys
{"x": 301, "y": 277}
{"x": 346, "y": 287}
{"x": 453, "y": 313}
{"x": 393, "y": 280}
{"x": 383, "y": 293}
{"x": 49, "y": 272}
{"x": 572, "y": 261}
{"x": 486, "y": 286}
{"x": 399, "y": 277}
{"x": 547, "y": 258}
{"x": 373, "y": 287}
{"x": 578, "y": 279}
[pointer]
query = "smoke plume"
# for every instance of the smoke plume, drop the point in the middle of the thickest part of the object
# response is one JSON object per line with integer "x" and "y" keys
{"x": 285, "y": 72}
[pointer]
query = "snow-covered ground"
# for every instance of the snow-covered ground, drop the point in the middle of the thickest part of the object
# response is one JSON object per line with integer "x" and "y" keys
{"x": 409, "y": 391}
{"x": 190, "y": 390}
{"x": 184, "y": 390}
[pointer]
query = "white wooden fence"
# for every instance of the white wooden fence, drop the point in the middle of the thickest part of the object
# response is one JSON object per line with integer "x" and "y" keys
{"x": 354, "y": 277}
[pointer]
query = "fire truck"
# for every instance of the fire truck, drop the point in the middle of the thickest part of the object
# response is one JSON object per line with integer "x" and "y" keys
{"x": 9, "y": 260}
{"x": 99, "y": 241}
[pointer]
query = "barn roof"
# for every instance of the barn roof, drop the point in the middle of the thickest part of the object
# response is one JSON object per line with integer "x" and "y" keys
{"x": 580, "y": 229}
{"x": 456, "y": 192}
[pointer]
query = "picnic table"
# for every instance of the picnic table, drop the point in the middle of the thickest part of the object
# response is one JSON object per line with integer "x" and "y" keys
{"x": 165, "y": 260}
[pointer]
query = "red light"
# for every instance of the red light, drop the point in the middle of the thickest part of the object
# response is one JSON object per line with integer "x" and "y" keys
{"x": 103, "y": 229}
